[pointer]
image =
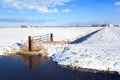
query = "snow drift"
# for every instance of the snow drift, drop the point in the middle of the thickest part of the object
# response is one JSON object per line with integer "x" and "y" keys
{"x": 100, "y": 51}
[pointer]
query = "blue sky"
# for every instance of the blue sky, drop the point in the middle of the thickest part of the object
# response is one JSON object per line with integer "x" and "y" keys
{"x": 14, "y": 13}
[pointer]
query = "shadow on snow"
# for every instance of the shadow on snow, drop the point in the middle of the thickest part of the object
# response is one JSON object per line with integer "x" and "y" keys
{"x": 81, "y": 39}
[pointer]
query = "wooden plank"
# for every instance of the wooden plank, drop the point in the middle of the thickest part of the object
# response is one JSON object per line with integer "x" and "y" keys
{"x": 51, "y": 37}
{"x": 30, "y": 43}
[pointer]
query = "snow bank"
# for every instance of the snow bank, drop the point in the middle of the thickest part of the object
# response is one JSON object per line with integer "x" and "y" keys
{"x": 100, "y": 51}
{"x": 10, "y": 36}
{"x": 10, "y": 49}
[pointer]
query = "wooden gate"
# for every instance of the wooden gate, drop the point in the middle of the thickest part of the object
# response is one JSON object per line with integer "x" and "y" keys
{"x": 35, "y": 41}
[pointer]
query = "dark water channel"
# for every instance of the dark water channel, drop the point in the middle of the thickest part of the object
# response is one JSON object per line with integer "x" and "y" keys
{"x": 36, "y": 68}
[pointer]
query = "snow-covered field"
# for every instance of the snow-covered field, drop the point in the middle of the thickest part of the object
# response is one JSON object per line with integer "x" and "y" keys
{"x": 10, "y": 36}
{"x": 100, "y": 51}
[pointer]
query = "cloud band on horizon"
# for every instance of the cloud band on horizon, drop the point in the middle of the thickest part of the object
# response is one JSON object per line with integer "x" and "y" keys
{"x": 25, "y": 20}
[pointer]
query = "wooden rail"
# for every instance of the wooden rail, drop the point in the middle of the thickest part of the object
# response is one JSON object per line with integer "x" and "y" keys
{"x": 34, "y": 41}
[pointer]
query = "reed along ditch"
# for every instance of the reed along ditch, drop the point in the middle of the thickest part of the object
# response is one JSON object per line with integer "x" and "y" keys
{"x": 26, "y": 67}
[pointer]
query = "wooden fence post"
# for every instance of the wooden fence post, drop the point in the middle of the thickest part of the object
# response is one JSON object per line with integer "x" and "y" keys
{"x": 30, "y": 43}
{"x": 51, "y": 37}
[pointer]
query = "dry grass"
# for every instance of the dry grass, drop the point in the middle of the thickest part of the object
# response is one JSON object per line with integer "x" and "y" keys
{"x": 60, "y": 42}
{"x": 6, "y": 52}
{"x": 34, "y": 48}
{"x": 39, "y": 49}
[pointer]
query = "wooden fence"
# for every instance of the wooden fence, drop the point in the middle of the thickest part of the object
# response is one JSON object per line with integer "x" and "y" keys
{"x": 34, "y": 41}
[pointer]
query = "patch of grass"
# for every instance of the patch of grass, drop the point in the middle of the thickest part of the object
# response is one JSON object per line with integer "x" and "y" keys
{"x": 34, "y": 48}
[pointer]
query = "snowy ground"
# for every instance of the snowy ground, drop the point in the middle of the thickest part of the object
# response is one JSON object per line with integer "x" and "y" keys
{"x": 100, "y": 51}
{"x": 10, "y": 36}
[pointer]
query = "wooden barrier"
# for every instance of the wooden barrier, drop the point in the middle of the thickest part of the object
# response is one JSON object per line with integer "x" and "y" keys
{"x": 30, "y": 43}
{"x": 35, "y": 41}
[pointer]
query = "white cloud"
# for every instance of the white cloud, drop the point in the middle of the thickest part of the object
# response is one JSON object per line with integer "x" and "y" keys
{"x": 67, "y": 10}
{"x": 46, "y": 10}
{"x": 117, "y": 3}
{"x": 45, "y": 6}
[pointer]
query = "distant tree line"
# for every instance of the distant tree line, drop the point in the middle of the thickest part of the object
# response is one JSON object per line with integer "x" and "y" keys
{"x": 105, "y": 25}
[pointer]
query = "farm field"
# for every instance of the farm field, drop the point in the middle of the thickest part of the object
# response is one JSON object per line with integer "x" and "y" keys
{"x": 10, "y": 36}
{"x": 98, "y": 50}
